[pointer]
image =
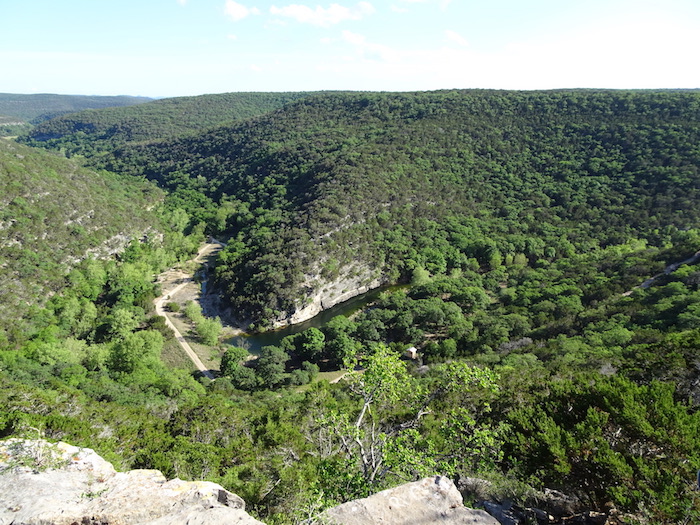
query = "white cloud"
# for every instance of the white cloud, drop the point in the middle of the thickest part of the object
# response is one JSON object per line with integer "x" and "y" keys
{"x": 323, "y": 17}
{"x": 237, "y": 11}
{"x": 369, "y": 50}
{"x": 456, "y": 38}
{"x": 182, "y": 2}
{"x": 443, "y": 4}
{"x": 638, "y": 51}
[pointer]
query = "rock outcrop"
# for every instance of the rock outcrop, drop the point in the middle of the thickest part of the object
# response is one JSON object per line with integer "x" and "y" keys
{"x": 431, "y": 500}
{"x": 549, "y": 506}
{"x": 322, "y": 294}
{"x": 59, "y": 484}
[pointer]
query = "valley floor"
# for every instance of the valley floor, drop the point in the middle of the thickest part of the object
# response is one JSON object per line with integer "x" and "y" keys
{"x": 178, "y": 285}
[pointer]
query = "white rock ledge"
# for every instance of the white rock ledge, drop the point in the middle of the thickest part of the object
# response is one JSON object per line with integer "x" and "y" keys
{"x": 59, "y": 484}
{"x": 430, "y": 500}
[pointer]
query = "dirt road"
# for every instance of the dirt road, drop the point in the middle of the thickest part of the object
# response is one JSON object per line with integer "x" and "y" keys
{"x": 173, "y": 281}
{"x": 668, "y": 270}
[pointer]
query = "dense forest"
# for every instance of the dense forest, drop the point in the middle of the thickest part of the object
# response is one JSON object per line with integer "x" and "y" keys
{"x": 34, "y": 109}
{"x": 53, "y": 213}
{"x": 90, "y": 132}
{"x": 522, "y": 227}
{"x": 428, "y": 181}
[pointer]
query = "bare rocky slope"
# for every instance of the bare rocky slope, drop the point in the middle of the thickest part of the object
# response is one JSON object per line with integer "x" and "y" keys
{"x": 60, "y": 484}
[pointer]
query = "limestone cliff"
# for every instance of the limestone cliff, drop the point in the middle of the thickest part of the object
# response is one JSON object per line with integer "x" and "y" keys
{"x": 322, "y": 293}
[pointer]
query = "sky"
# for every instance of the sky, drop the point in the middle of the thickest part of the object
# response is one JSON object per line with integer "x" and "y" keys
{"x": 166, "y": 48}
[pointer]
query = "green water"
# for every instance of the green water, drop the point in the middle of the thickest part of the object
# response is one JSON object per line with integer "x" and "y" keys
{"x": 254, "y": 342}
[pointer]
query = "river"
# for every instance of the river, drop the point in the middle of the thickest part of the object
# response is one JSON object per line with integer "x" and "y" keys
{"x": 254, "y": 342}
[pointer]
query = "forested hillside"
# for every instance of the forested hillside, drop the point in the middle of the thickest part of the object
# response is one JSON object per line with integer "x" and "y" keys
{"x": 37, "y": 108}
{"x": 522, "y": 229}
{"x": 55, "y": 213}
{"x": 430, "y": 181}
{"x": 12, "y": 126}
{"x": 90, "y": 132}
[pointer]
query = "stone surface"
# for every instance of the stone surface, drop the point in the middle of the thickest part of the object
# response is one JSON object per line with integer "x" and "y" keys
{"x": 323, "y": 294}
{"x": 431, "y": 500}
{"x": 59, "y": 484}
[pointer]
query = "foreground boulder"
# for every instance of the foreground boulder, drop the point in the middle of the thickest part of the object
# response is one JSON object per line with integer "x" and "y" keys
{"x": 431, "y": 500}
{"x": 59, "y": 484}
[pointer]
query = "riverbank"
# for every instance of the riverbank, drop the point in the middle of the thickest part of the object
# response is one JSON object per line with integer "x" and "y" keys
{"x": 254, "y": 342}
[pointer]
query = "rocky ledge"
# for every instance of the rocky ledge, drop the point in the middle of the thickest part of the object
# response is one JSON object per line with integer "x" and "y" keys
{"x": 431, "y": 500}
{"x": 59, "y": 484}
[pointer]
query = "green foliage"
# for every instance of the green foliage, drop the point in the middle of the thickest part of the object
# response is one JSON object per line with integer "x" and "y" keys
{"x": 134, "y": 350}
{"x": 270, "y": 366}
{"x": 209, "y": 330}
{"x": 193, "y": 311}
{"x": 173, "y": 307}
{"x": 397, "y": 178}
{"x": 232, "y": 359}
{"x": 611, "y": 438}
{"x": 526, "y": 223}
{"x": 55, "y": 214}
{"x": 37, "y": 108}
{"x": 122, "y": 323}
{"x": 97, "y": 130}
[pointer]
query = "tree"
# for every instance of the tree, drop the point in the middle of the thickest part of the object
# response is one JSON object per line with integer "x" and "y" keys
{"x": 245, "y": 378}
{"x": 271, "y": 365}
{"x": 209, "y": 330}
{"x": 310, "y": 344}
{"x": 126, "y": 354}
{"x": 419, "y": 276}
{"x": 193, "y": 311}
{"x": 122, "y": 322}
{"x": 386, "y": 437}
{"x": 134, "y": 350}
{"x": 232, "y": 359}
{"x": 384, "y": 382}
{"x": 339, "y": 344}
{"x": 342, "y": 349}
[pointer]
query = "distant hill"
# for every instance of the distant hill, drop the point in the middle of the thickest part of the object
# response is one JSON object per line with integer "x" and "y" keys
{"x": 92, "y": 131}
{"x": 54, "y": 213}
{"x": 37, "y": 108}
{"x": 382, "y": 184}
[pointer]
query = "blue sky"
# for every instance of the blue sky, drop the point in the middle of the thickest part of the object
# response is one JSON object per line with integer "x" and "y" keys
{"x": 164, "y": 48}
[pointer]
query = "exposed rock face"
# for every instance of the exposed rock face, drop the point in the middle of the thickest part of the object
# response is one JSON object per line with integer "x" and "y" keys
{"x": 431, "y": 500}
{"x": 60, "y": 484}
{"x": 549, "y": 506}
{"x": 355, "y": 280}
